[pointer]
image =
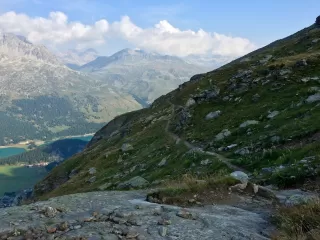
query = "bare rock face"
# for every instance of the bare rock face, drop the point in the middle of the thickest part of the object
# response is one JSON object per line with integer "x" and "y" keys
{"x": 124, "y": 215}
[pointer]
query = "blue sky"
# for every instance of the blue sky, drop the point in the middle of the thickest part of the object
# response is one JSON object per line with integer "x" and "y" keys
{"x": 260, "y": 22}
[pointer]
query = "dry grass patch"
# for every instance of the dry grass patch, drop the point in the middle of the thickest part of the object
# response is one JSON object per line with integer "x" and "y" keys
{"x": 299, "y": 222}
{"x": 190, "y": 190}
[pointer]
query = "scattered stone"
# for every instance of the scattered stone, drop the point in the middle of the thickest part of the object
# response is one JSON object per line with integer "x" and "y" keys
{"x": 76, "y": 227}
{"x": 223, "y": 134}
{"x": 284, "y": 72}
{"x": 92, "y": 179}
{"x": 213, "y": 115}
{"x": 163, "y": 231}
{"x": 313, "y": 98}
{"x": 190, "y": 102}
{"x": 298, "y": 199}
{"x": 302, "y": 63}
{"x": 275, "y": 139}
{"x": 243, "y": 151}
{"x": 205, "y": 162}
{"x": 92, "y": 171}
{"x": 51, "y": 230}
{"x": 273, "y": 114}
{"x": 162, "y": 163}
{"x": 135, "y": 182}
{"x": 185, "y": 214}
{"x": 265, "y": 59}
{"x": 63, "y": 226}
{"x": 315, "y": 40}
{"x": 50, "y": 212}
{"x": 256, "y": 97}
{"x": 248, "y": 123}
{"x": 126, "y": 147}
{"x": 241, "y": 176}
{"x": 229, "y": 147}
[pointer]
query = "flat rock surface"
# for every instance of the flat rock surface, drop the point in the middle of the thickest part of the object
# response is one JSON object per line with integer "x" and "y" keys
{"x": 125, "y": 215}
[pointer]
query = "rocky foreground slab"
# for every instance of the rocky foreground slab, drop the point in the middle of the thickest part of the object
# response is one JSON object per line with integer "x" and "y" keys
{"x": 125, "y": 215}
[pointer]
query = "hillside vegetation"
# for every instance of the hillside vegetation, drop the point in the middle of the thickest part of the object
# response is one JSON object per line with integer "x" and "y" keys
{"x": 258, "y": 114}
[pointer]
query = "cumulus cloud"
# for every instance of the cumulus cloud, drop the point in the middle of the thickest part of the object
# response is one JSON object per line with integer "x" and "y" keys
{"x": 54, "y": 30}
{"x": 162, "y": 37}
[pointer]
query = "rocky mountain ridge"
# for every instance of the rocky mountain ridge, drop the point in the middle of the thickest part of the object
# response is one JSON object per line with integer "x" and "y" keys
{"x": 145, "y": 75}
{"x": 78, "y": 57}
{"x": 208, "y": 125}
{"x": 41, "y": 98}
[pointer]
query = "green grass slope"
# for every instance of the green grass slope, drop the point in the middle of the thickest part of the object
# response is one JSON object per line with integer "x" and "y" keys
{"x": 269, "y": 103}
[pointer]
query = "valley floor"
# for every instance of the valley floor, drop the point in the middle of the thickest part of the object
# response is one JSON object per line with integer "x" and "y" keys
{"x": 110, "y": 215}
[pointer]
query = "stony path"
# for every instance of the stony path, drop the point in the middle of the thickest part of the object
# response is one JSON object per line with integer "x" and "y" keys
{"x": 125, "y": 215}
{"x": 197, "y": 149}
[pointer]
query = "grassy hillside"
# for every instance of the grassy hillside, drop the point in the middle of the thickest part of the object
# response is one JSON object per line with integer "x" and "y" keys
{"x": 264, "y": 119}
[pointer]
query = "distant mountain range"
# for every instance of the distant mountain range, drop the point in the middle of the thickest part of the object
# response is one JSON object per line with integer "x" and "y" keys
{"x": 144, "y": 75}
{"x": 41, "y": 98}
{"x": 77, "y": 57}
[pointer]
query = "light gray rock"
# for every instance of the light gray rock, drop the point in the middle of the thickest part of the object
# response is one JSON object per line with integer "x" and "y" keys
{"x": 275, "y": 139}
{"x": 219, "y": 222}
{"x": 256, "y": 97}
{"x": 92, "y": 171}
{"x": 294, "y": 197}
{"x": 273, "y": 114}
{"x": 213, "y": 115}
{"x": 302, "y": 63}
{"x": 223, "y": 134}
{"x": 126, "y": 147}
{"x": 162, "y": 163}
{"x": 135, "y": 182}
{"x": 243, "y": 151}
{"x": 205, "y": 162}
{"x": 241, "y": 176}
{"x": 313, "y": 98}
{"x": 248, "y": 123}
{"x": 190, "y": 102}
{"x": 265, "y": 59}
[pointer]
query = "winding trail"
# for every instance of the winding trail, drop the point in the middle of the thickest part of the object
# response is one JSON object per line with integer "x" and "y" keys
{"x": 198, "y": 149}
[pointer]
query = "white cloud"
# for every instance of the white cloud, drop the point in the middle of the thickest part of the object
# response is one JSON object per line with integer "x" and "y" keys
{"x": 53, "y": 30}
{"x": 164, "y": 38}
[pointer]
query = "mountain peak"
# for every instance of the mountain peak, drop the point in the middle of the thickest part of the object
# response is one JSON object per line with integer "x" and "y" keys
{"x": 18, "y": 46}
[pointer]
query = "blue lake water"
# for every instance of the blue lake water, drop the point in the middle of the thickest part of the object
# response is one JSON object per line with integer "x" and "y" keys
{"x": 10, "y": 151}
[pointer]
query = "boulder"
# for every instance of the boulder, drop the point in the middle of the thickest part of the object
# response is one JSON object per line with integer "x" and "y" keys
{"x": 313, "y": 98}
{"x": 243, "y": 151}
{"x": 248, "y": 123}
{"x": 273, "y": 114}
{"x": 301, "y": 63}
{"x": 92, "y": 171}
{"x": 256, "y": 97}
{"x": 205, "y": 162}
{"x": 275, "y": 139}
{"x": 190, "y": 102}
{"x": 135, "y": 182}
{"x": 213, "y": 115}
{"x": 222, "y": 135}
{"x": 162, "y": 163}
{"x": 126, "y": 147}
{"x": 241, "y": 176}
